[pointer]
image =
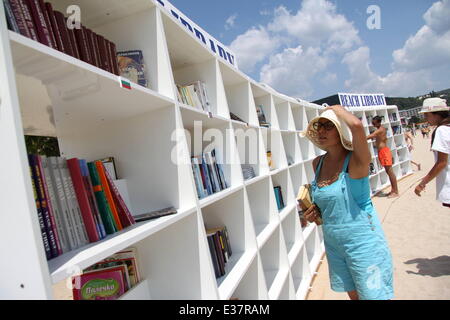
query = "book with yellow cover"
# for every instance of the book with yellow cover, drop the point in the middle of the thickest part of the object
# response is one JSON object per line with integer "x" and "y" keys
{"x": 305, "y": 200}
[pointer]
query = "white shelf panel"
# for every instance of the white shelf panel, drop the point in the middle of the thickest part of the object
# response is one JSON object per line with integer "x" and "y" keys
{"x": 287, "y": 210}
{"x": 293, "y": 254}
{"x": 308, "y": 230}
{"x": 139, "y": 292}
{"x": 266, "y": 233}
{"x": 219, "y": 195}
{"x": 235, "y": 270}
{"x": 303, "y": 290}
{"x": 86, "y": 96}
{"x": 255, "y": 179}
{"x": 278, "y": 283}
{"x": 62, "y": 267}
{"x": 315, "y": 261}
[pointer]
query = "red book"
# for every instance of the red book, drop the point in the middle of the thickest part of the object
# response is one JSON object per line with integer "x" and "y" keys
{"x": 20, "y": 18}
{"x": 49, "y": 25}
{"x": 59, "y": 17}
{"x": 104, "y": 60}
{"x": 56, "y": 33}
{"x": 83, "y": 45}
{"x": 29, "y": 19}
{"x": 96, "y": 48}
{"x": 124, "y": 214}
{"x": 91, "y": 46}
{"x": 104, "y": 181}
{"x": 114, "y": 62}
{"x": 73, "y": 42}
{"x": 39, "y": 22}
{"x": 83, "y": 200}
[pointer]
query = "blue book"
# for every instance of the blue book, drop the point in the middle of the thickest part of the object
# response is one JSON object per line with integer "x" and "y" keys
{"x": 209, "y": 186}
{"x": 197, "y": 178}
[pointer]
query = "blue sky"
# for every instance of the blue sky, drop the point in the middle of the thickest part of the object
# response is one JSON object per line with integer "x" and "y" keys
{"x": 315, "y": 48}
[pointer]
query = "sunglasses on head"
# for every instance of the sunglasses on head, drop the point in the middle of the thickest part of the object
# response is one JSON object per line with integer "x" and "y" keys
{"x": 328, "y": 126}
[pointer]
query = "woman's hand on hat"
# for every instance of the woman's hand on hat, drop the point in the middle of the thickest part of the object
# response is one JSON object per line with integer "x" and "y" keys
{"x": 338, "y": 109}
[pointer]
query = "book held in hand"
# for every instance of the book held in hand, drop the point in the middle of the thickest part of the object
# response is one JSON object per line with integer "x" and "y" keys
{"x": 305, "y": 200}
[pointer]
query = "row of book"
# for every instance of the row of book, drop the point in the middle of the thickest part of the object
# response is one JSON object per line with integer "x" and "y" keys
{"x": 108, "y": 279}
{"x": 38, "y": 21}
{"x": 195, "y": 95}
{"x": 220, "y": 249}
{"x": 279, "y": 198}
{"x": 77, "y": 203}
{"x": 208, "y": 174}
{"x": 248, "y": 172}
{"x": 393, "y": 117}
{"x": 397, "y": 130}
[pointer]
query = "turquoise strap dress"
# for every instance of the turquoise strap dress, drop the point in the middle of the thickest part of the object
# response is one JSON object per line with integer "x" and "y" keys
{"x": 357, "y": 252}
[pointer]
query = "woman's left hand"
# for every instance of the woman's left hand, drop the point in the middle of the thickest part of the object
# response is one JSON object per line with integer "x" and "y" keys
{"x": 336, "y": 108}
{"x": 419, "y": 189}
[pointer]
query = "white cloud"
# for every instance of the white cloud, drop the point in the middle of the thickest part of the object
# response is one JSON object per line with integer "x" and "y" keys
{"x": 253, "y": 47}
{"x": 438, "y": 16}
{"x": 230, "y": 22}
{"x": 291, "y": 71}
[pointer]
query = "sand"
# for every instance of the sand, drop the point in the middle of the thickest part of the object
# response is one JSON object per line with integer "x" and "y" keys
{"x": 418, "y": 233}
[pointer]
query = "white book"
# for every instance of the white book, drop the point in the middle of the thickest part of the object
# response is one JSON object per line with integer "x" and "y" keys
{"x": 205, "y": 96}
{"x": 199, "y": 91}
{"x": 57, "y": 213}
{"x": 73, "y": 202}
{"x": 196, "y": 101}
{"x": 62, "y": 204}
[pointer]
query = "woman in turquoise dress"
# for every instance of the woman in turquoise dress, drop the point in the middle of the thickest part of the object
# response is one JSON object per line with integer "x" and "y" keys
{"x": 359, "y": 259}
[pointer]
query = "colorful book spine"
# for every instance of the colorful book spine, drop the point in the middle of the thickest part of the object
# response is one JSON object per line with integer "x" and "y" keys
{"x": 74, "y": 44}
{"x": 90, "y": 191}
{"x": 54, "y": 26}
{"x": 44, "y": 208}
{"x": 19, "y": 17}
{"x": 29, "y": 19}
{"x": 48, "y": 24}
{"x": 51, "y": 212}
{"x": 108, "y": 194}
{"x": 197, "y": 179}
{"x": 73, "y": 203}
{"x": 58, "y": 214}
{"x": 103, "y": 206}
{"x": 62, "y": 27}
{"x": 40, "y": 23}
{"x": 125, "y": 217}
{"x": 67, "y": 219}
{"x": 10, "y": 19}
{"x": 81, "y": 193}
{"x": 48, "y": 252}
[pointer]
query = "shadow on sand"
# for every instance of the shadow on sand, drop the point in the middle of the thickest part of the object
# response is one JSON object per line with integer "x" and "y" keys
{"x": 436, "y": 267}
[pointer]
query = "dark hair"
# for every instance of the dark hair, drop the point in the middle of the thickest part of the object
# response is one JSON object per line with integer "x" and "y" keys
{"x": 378, "y": 119}
{"x": 445, "y": 115}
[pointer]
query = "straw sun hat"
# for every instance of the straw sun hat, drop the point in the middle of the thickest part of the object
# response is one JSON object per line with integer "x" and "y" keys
{"x": 434, "y": 105}
{"x": 343, "y": 129}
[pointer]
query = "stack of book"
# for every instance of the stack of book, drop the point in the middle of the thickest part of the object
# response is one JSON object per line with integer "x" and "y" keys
{"x": 248, "y": 172}
{"x": 77, "y": 203}
{"x": 208, "y": 174}
{"x": 279, "y": 198}
{"x": 195, "y": 95}
{"x": 220, "y": 249}
{"x": 38, "y": 21}
{"x": 393, "y": 117}
{"x": 262, "y": 117}
{"x": 108, "y": 279}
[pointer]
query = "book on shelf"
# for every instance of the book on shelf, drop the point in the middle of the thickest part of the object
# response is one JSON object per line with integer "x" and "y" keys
{"x": 248, "y": 172}
{"x": 269, "y": 160}
{"x": 131, "y": 65}
{"x": 236, "y": 118}
{"x": 195, "y": 95}
{"x": 261, "y": 116}
{"x": 220, "y": 249}
{"x": 155, "y": 214}
{"x": 36, "y": 19}
{"x": 102, "y": 284}
{"x": 209, "y": 177}
{"x": 279, "y": 198}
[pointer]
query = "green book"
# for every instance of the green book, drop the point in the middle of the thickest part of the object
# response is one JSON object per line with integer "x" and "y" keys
{"x": 103, "y": 206}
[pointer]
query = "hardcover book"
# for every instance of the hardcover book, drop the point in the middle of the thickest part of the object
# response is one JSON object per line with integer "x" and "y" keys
{"x": 155, "y": 214}
{"x": 131, "y": 66}
{"x": 305, "y": 200}
{"x": 103, "y": 284}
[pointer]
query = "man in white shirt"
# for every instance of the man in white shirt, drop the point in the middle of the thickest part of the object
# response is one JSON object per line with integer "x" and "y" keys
{"x": 437, "y": 113}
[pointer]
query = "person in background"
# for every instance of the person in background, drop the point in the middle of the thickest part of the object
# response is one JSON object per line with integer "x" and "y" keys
{"x": 437, "y": 114}
{"x": 358, "y": 255}
{"x": 410, "y": 143}
{"x": 384, "y": 154}
{"x": 424, "y": 131}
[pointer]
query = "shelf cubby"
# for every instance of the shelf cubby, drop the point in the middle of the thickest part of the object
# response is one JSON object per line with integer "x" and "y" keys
{"x": 284, "y": 114}
{"x": 299, "y": 114}
{"x": 292, "y": 148}
{"x": 273, "y": 142}
{"x": 289, "y": 226}
{"x": 405, "y": 168}
{"x": 265, "y": 100}
{"x": 283, "y": 180}
{"x": 298, "y": 176}
{"x": 310, "y": 174}
{"x": 313, "y": 250}
{"x": 270, "y": 258}
{"x": 252, "y": 285}
{"x": 262, "y": 206}
{"x": 301, "y": 274}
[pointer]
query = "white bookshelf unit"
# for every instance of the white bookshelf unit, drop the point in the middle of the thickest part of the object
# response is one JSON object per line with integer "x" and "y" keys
{"x": 152, "y": 138}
